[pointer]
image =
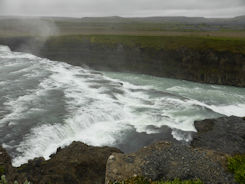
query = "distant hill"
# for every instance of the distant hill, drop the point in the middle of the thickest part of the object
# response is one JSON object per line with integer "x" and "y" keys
{"x": 240, "y": 19}
{"x": 117, "y": 25}
{"x": 180, "y": 19}
{"x": 117, "y": 19}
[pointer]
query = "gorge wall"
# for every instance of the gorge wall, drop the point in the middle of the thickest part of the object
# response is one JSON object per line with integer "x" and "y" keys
{"x": 211, "y": 60}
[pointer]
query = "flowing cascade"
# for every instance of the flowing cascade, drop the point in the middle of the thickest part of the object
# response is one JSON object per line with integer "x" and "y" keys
{"x": 46, "y": 104}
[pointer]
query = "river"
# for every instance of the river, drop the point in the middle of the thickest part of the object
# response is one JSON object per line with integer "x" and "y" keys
{"x": 47, "y": 104}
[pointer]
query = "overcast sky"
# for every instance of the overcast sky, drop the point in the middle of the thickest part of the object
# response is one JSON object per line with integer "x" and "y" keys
{"x": 126, "y": 8}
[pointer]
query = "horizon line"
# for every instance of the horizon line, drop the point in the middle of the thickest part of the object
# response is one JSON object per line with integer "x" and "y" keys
{"x": 79, "y": 17}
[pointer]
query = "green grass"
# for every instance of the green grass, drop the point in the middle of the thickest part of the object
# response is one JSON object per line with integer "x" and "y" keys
{"x": 67, "y": 26}
{"x": 141, "y": 180}
{"x": 220, "y": 44}
{"x": 236, "y": 165}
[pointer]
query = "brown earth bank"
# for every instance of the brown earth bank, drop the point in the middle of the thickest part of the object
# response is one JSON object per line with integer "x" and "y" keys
{"x": 205, "y": 158}
{"x": 200, "y": 60}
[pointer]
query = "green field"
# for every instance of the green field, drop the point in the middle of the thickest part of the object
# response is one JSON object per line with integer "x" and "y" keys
{"x": 168, "y": 26}
{"x": 222, "y": 44}
{"x": 154, "y": 32}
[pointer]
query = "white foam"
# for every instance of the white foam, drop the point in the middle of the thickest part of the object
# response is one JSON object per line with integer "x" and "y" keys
{"x": 227, "y": 110}
{"x": 231, "y": 102}
{"x": 230, "y": 110}
{"x": 4, "y": 48}
{"x": 20, "y": 107}
{"x": 181, "y": 136}
{"x": 16, "y": 55}
{"x": 2, "y": 83}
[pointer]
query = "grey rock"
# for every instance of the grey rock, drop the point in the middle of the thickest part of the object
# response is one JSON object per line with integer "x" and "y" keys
{"x": 226, "y": 135}
{"x": 168, "y": 161}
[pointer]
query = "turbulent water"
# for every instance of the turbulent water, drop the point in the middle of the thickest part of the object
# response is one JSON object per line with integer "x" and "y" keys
{"x": 46, "y": 104}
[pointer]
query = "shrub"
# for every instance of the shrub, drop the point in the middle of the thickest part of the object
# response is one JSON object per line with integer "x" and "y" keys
{"x": 3, "y": 180}
{"x": 236, "y": 165}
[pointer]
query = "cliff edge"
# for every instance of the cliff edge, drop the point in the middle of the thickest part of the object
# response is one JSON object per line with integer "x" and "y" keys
{"x": 201, "y": 59}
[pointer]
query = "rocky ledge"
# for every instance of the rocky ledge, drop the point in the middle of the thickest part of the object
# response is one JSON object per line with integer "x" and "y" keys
{"x": 205, "y": 159}
{"x": 226, "y": 135}
{"x": 76, "y": 163}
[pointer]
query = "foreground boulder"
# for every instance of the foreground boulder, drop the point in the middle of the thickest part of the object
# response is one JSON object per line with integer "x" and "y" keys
{"x": 226, "y": 135}
{"x": 168, "y": 161}
{"x": 74, "y": 164}
{"x": 5, "y": 163}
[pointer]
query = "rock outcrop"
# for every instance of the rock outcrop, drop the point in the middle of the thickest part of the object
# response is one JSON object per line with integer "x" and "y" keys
{"x": 168, "y": 161}
{"x": 74, "y": 164}
{"x": 226, "y": 135}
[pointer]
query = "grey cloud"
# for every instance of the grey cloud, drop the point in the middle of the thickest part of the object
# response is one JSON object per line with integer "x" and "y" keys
{"x": 81, "y": 8}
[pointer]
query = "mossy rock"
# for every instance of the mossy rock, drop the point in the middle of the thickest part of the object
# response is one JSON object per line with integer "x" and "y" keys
{"x": 236, "y": 165}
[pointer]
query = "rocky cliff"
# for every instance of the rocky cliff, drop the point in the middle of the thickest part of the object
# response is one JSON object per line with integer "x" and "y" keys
{"x": 213, "y": 61}
{"x": 76, "y": 163}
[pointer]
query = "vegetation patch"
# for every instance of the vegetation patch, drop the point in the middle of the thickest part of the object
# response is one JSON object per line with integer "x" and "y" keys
{"x": 3, "y": 180}
{"x": 141, "y": 180}
{"x": 220, "y": 44}
{"x": 236, "y": 165}
{"x": 2, "y": 170}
